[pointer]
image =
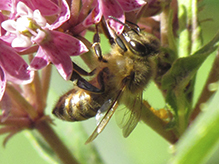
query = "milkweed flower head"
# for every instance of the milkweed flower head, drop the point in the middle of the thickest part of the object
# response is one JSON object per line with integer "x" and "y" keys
{"x": 29, "y": 28}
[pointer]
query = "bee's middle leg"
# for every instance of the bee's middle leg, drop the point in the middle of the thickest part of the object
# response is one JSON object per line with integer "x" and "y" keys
{"x": 81, "y": 71}
{"x": 84, "y": 84}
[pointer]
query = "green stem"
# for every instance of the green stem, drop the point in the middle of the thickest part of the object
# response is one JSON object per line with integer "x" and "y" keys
{"x": 184, "y": 14}
{"x": 157, "y": 124}
{"x": 75, "y": 10}
{"x": 45, "y": 81}
{"x": 182, "y": 108}
{"x": 56, "y": 144}
{"x": 166, "y": 31}
{"x": 18, "y": 121}
{"x": 21, "y": 101}
{"x": 206, "y": 93}
{"x": 40, "y": 103}
{"x": 196, "y": 29}
{"x": 84, "y": 10}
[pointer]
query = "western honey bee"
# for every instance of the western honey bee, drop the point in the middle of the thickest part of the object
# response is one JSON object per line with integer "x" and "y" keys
{"x": 119, "y": 78}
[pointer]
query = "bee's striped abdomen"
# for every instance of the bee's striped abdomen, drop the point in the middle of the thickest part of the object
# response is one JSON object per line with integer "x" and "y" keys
{"x": 76, "y": 105}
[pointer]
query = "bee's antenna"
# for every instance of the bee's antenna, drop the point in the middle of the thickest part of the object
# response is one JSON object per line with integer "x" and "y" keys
{"x": 112, "y": 17}
{"x": 137, "y": 27}
{"x": 117, "y": 39}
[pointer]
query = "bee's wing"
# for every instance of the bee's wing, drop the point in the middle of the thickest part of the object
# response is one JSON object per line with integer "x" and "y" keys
{"x": 110, "y": 111}
{"x": 103, "y": 109}
{"x": 130, "y": 116}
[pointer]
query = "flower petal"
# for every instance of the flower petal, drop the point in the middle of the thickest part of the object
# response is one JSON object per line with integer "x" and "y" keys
{"x": 21, "y": 41}
{"x": 62, "y": 61}
{"x": 39, "y": 37}
{"x": 14, "y": 66}
{"x": 40, "y": 60}
{"x": 5, "y": 5}
{"x": 65, "y": 70}
{"x": 2, "y": 83}
{"x": 22, "y": 76}
{"x": 8, "y": 38}
{"x": 113, "y": 8}
{"x": 9, "y": 25}
{"x": 23, "y": 10}
{"x": 94, "y": 17}
{"x": 60, "y": 48}
{"x": 67, "y": 44}
{"x": 130, "y": 5}
{"x": 2, "y": 30}
{"x": 46, "y": 7}
{"x": 40, "y": 20}
{"x": 64, "y": 15}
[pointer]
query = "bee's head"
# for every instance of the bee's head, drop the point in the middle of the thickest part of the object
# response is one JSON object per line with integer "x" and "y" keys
{"x": 141, "y": 43}
{"x": 138, "y": 42}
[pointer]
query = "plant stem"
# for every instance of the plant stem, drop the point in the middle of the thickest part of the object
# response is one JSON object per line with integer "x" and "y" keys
{"x": 75, "y": 10}
{"x": 45, "y": 80}
{"x": 182, "y": 107}
{"x": 56, "y": 144}
{"x": 184, "y": 18}
{"x": 157, "y": 124}
{"x": 40, "y": 103}
{"x": 21, "y": 101}
{"x": 206, "y": 93}
{"x": 166, "y": 31}
{"x": 196, "y": 29}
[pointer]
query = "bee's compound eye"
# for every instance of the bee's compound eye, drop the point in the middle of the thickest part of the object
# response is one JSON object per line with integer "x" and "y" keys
{"x": 138, "y": 46}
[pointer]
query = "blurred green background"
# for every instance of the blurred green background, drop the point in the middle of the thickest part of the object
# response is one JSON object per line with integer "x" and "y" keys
{"x": 143, "y": 146}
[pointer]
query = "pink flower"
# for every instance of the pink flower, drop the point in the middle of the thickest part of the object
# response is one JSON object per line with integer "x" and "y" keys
{"x": 2, "y": 31}
{"x": 12, "y": 68}
{"x": 31, "y": 28}
{"x": 46, "y": 7}
{"x": 115, "y": 8}
{"x": 58, "y": 50}
{"x": 6, "y": 5}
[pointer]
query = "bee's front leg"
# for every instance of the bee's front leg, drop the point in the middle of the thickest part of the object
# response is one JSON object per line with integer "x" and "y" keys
{"x": 96, "y": 46}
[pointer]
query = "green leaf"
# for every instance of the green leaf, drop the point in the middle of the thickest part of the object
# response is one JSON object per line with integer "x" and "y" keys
{"x": 183, "y": 69}
{"x": 201, "y": 138}
{"x": 176, "y": 81}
